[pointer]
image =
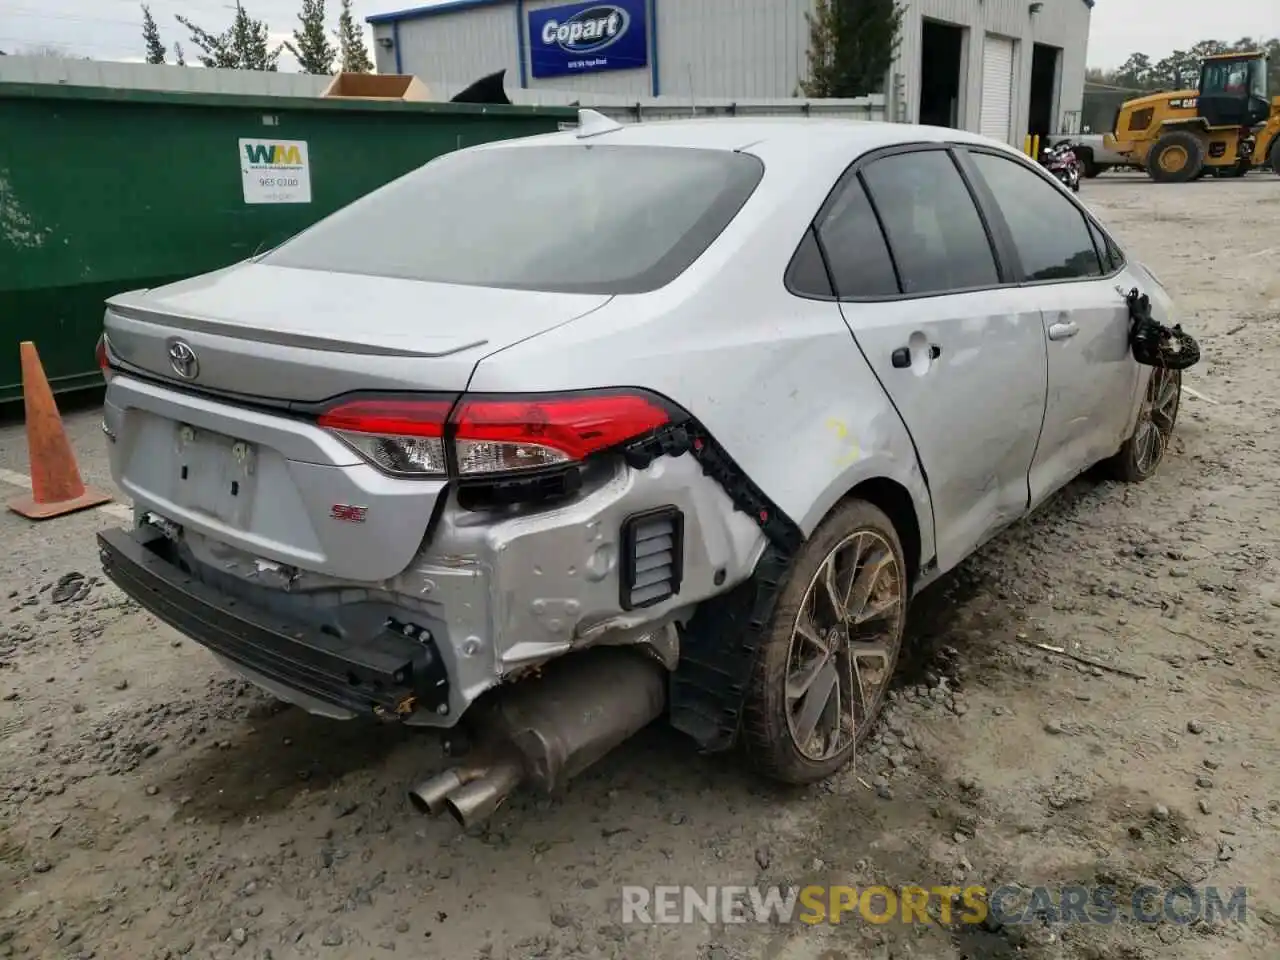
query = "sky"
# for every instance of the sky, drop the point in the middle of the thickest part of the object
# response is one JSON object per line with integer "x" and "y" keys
{"x": 1158, "y": 27}
{"x": 111, "y": 29}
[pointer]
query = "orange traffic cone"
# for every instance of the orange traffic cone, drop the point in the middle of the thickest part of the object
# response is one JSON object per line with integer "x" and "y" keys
{"x": 56, "y": 487}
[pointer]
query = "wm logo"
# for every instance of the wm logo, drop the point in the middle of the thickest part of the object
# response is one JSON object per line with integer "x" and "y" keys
{"x": 273, "y": 153}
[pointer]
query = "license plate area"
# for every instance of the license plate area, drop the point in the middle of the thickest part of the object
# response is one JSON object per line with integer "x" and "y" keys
{"x": 214, "y": 474}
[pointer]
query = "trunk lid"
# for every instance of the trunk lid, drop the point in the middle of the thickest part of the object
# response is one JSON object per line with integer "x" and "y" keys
{"x": 290, "y": 334}
{"x": 268, "y": 483}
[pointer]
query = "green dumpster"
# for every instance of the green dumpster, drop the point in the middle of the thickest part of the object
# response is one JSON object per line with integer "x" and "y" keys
{"x": 104, "y": 190}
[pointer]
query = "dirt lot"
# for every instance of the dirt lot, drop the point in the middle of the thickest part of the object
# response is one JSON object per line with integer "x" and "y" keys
{"x": 152, "y": 806}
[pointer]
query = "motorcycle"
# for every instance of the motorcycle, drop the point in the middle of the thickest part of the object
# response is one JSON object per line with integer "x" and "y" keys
{"x": 1062, "y": 162}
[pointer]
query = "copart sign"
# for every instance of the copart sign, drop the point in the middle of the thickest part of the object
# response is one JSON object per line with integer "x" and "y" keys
{"x": 588, "y": 37}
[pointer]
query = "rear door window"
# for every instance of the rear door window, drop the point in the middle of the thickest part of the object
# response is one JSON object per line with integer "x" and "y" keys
{"x": 1107, "y": 251}
{"x": 1050, "y": 232}
{"x": 807, "y": 273}
{"x": 937, "y": 237}
{"x": 855, "y": 245}
{"x": 1113, "y": 252}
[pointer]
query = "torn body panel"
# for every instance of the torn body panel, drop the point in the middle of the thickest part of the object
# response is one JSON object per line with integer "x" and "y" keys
{"x": 502, "y": 593}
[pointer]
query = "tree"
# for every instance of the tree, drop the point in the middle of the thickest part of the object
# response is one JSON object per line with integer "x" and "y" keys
{"x": 311, "y": 46}
{"x": 242, "y": 46}
{"x": 1181, "y": 69}
{"x": 352, "y": 53}
{"x": 1272, "y": 47}
{"x": 822, "y": 50}
{"x": 1207, "y": 48}
{"x": 250, "y": 38}
{"x": 151, "y": 37}
{"x": 1178, "y": 70}
{"x": 1134, "y": 72}
{"x": 216, "y": 46}
{"x": 867, "y": 42}
{"x": 852, "y": 44}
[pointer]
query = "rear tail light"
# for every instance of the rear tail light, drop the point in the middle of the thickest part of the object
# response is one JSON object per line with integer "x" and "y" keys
{"x": 495, "y": 435}
{"x": 500, "y": 435}
{"x": 104, "y": 357}
{"x": 401, "y": 437}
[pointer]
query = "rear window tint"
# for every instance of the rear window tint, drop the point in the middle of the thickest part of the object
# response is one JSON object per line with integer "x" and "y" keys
{"x": 570, "y": 219}
{"x": 1049, "y": 230}
{"x": 1102, "y": 248}
{"x": 807, "y": 274}
{"x": 855, "y": 246}
{"x": 1107, "y": 249}
{"x": 935, "y": 232}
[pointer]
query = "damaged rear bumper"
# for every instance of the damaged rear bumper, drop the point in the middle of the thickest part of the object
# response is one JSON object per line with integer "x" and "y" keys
{"x": 387, "y": 673}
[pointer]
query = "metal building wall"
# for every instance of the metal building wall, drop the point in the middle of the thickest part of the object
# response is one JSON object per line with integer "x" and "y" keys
{"x": 744, "y": 48}
{"x": 1061, "y": 23}
{"x": 707, "y": 48}
{"x": 448, "y": 51}
{"x": 732, "y": 48}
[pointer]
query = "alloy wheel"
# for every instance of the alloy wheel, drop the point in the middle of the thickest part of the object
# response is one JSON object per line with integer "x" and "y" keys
{"x": 1156, "y": 420}
{"x": 844, "y": 644}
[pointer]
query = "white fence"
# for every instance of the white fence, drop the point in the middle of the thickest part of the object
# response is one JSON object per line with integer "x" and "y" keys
{"x": 672, "y": 108}
{"x": 146, "y": 76}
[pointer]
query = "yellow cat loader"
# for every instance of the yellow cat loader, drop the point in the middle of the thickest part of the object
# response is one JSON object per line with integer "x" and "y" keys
{"x": 1227, "y": 126}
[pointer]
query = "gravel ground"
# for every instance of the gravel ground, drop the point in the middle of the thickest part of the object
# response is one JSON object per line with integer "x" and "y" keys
{"x": 153, "y": 806}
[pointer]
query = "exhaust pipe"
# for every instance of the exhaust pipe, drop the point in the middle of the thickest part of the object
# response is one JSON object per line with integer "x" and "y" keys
{"x": 430, "y": 795}
{"x": 480, "y": 799}
{"x": 547, "y": 731}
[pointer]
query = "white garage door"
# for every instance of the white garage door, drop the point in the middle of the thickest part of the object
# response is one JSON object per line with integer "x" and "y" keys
{"x": 997, "y": 87}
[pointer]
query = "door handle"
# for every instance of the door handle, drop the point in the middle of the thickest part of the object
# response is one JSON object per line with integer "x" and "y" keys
{"x": 1063, "y": 331}
{"x": 901, "y": 358}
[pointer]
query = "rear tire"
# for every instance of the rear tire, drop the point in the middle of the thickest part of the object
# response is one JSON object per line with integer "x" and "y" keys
{"x": 1275, "y": 156}
{"x": 1141, "y": 455}
{"x": 1177, "y": 157}
{"x": 1087, "y": 166}
{"x": 824, "y": 666}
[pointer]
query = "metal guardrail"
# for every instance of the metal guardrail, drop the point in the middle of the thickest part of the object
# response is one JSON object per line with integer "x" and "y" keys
{"x": 673, "y": 108}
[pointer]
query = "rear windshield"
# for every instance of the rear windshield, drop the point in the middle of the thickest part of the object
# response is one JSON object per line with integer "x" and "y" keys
{"x": 571, "y": 219}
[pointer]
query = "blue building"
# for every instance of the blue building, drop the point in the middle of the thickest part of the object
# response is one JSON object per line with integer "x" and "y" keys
{"x": 1000, "y": 67}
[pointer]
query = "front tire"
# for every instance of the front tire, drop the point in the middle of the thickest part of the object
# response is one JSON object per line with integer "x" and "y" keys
{"x": 825, "y": 664}
{"x": 1177, "y": 157}
{"x": 1141, "y": 455}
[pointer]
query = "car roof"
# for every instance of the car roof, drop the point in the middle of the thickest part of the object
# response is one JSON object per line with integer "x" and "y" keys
{"x": 779, "y": 137}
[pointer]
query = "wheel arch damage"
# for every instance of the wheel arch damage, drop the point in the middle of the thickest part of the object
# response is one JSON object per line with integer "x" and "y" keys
{"x": 720, "y": 643}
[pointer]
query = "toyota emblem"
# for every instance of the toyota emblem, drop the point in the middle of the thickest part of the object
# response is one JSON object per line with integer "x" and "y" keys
{"x": 183, "y": 360}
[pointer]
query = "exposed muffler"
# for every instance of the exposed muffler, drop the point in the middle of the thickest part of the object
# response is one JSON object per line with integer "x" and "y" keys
{"x": 546, "y": 731}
